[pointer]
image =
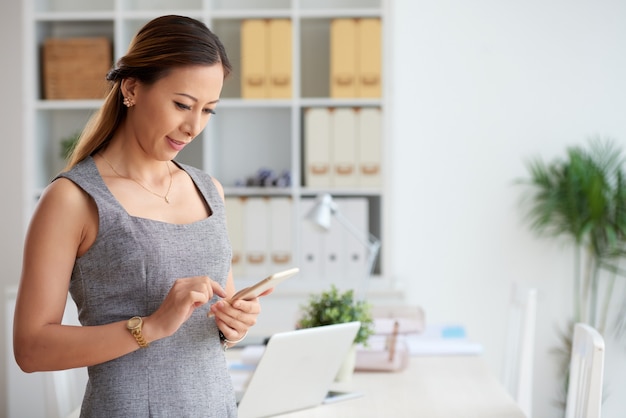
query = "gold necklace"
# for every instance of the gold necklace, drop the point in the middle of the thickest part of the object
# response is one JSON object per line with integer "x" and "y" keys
{"x": 164, "y": 197}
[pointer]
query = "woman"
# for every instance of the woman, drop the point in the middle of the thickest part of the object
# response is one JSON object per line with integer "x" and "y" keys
{"x": 141, "y": 243}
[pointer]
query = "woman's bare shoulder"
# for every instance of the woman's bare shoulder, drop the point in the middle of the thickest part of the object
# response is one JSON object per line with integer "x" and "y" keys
{"x": 64, "y": 189}
{"x": 218, "y": 186}
{"x": 66, "y": 201}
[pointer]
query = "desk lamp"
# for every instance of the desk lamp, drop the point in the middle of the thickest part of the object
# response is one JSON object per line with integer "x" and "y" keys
{"x": 321, "y": 215}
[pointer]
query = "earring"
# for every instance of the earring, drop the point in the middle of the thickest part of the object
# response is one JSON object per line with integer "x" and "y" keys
{"x": 129, "y": 102}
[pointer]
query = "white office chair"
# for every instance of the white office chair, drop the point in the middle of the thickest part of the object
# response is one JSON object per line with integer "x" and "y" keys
{"x": 64, "y": 389}
{"x": 519, "y": 355}
{"x": 584, "y": 394}
{"x": 64, "y": 392}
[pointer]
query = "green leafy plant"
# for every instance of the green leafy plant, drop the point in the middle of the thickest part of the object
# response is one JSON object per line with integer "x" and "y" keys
{"x": 335, "y": 307}
{"x": 582, "y": 198}
{"x": 68, "y": 143}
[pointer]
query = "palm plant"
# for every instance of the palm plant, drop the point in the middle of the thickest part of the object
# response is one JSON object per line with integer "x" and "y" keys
{"x": 583, "y": 199}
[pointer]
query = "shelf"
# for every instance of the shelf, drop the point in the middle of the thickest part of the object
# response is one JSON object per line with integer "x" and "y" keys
{"x": 338, "y": 13}
{"x": 74, "y": 16}
{"x": 311, "y": 192}
{"x": 146, "y": 15}
{"x": 245, "y": 135}
{"x": 252, "y": 14}
{"x": 234, "y": 103}
{"x": 67, "y": 104}
{"x": 258, "y": 191}
{"x": 330, "y": 102}
{"x": 71, "y": 6}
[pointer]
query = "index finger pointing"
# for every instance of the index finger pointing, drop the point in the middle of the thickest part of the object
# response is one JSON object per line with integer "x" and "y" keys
{"x": 217, "y": 289}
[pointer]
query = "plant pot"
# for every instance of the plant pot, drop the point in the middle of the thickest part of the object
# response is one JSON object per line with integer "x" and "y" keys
{"x": 346, "y": 370}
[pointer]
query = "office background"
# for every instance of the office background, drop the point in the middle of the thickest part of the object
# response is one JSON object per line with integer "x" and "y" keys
{"x": 477, "y": 87}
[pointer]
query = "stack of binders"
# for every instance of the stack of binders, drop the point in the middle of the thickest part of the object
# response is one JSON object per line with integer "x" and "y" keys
{"x": 266, "y": 59}
{"x": 260, "y": 232}
{"x": 342, "y": 147}
{"x": 355, "y": 58}
{"x": 261, "y": 237}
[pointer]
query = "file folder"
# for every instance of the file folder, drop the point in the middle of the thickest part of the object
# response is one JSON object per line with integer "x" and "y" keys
{"x": 236, "y": 228}
{"x": 317, "y": 147}
{"x": 369, "y": 58}
{"x": 311, "y": 245}
{"x": 334, "y": 253}
{"x": 343, "y": 147}
{"x": 355, "y": 252}
{"x": 369, "y": 127}
{"x": 280, "y": 211}
{"x": 257, "y": 223}
{"x": 254, "y": 84}
{"x": 279, "y": 47}
{"x": 343, "y": 58}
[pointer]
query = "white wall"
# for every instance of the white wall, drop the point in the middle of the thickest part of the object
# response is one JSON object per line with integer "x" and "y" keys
{"x": 11, "y": 219}
{"x": 479, "y": 86}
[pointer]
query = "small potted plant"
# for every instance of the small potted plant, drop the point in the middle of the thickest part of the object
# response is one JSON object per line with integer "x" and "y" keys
{"x": 335, "y": 307}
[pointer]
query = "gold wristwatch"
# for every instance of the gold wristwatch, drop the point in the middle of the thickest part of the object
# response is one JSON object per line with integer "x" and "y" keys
{"x": 134, "y": 325}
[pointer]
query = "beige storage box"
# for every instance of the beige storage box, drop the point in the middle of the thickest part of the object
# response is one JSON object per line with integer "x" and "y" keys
{"x": 76, "y": 68}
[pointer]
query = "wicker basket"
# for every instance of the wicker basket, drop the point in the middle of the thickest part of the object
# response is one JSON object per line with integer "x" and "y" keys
{"x": 75, "y": 68}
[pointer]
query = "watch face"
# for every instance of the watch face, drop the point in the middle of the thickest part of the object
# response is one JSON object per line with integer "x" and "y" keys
{"x": 133, "y": 323}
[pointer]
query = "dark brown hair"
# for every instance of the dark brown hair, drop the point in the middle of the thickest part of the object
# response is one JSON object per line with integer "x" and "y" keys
{"x": 163, "y": 44}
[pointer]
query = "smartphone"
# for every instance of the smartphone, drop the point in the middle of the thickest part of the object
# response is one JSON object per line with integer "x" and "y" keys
{"x": 261, "y": 286}
{"x": 333, "y": 396}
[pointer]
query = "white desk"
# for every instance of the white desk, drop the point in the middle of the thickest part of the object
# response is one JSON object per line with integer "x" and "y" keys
{"x": 432, "y": 387}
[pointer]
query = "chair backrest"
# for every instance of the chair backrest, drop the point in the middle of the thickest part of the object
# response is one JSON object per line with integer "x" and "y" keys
{"x": 584, "y": 394}
{"x": 520, "y": 347}
{"x": 64, "y": 392}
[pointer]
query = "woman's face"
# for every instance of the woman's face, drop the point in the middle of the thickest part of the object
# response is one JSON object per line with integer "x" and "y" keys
{"x": 170, "y": 113}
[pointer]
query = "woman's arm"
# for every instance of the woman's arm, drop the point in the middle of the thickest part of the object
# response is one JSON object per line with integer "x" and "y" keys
{"x": 62, "y": 227}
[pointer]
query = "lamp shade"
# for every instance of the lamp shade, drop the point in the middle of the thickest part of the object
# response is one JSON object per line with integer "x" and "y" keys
{"x": 322, "y": 212}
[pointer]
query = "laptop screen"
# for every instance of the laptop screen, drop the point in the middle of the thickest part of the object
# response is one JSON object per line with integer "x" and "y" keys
{"x": 295, "y": 370}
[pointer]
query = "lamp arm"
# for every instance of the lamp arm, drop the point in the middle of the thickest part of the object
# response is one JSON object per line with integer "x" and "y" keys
{"x": 369, "y": 241}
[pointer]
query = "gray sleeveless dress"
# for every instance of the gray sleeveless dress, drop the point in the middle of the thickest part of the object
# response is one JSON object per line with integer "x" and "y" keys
{"x": 128, "y": 271}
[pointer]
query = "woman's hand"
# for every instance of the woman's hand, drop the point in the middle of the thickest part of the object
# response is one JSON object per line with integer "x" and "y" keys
{"x": 183, "y": 298}
{"x": 234, "y": 319}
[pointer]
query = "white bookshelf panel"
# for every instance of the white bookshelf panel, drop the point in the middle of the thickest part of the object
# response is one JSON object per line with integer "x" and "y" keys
{"x": 245, "y": 140}
{"x": 53, "y": 126}
{"x": 228, "y": 30}
{"x": 129, "y": 27}
{"x": 247, "y": 5}
{"x": 73, "y": 28}
{"x": 315, "y": 57}
{"x": 73, "y": 5}
{"x": 160, "y": 5}
{"x": 337, "y": 5}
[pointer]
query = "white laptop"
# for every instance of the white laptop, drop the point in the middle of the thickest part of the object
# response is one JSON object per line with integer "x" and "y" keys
{"x": 296, "y": 370}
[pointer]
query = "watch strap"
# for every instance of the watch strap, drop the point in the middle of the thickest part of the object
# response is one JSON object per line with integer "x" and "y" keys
{"x": 136, "y": 332}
